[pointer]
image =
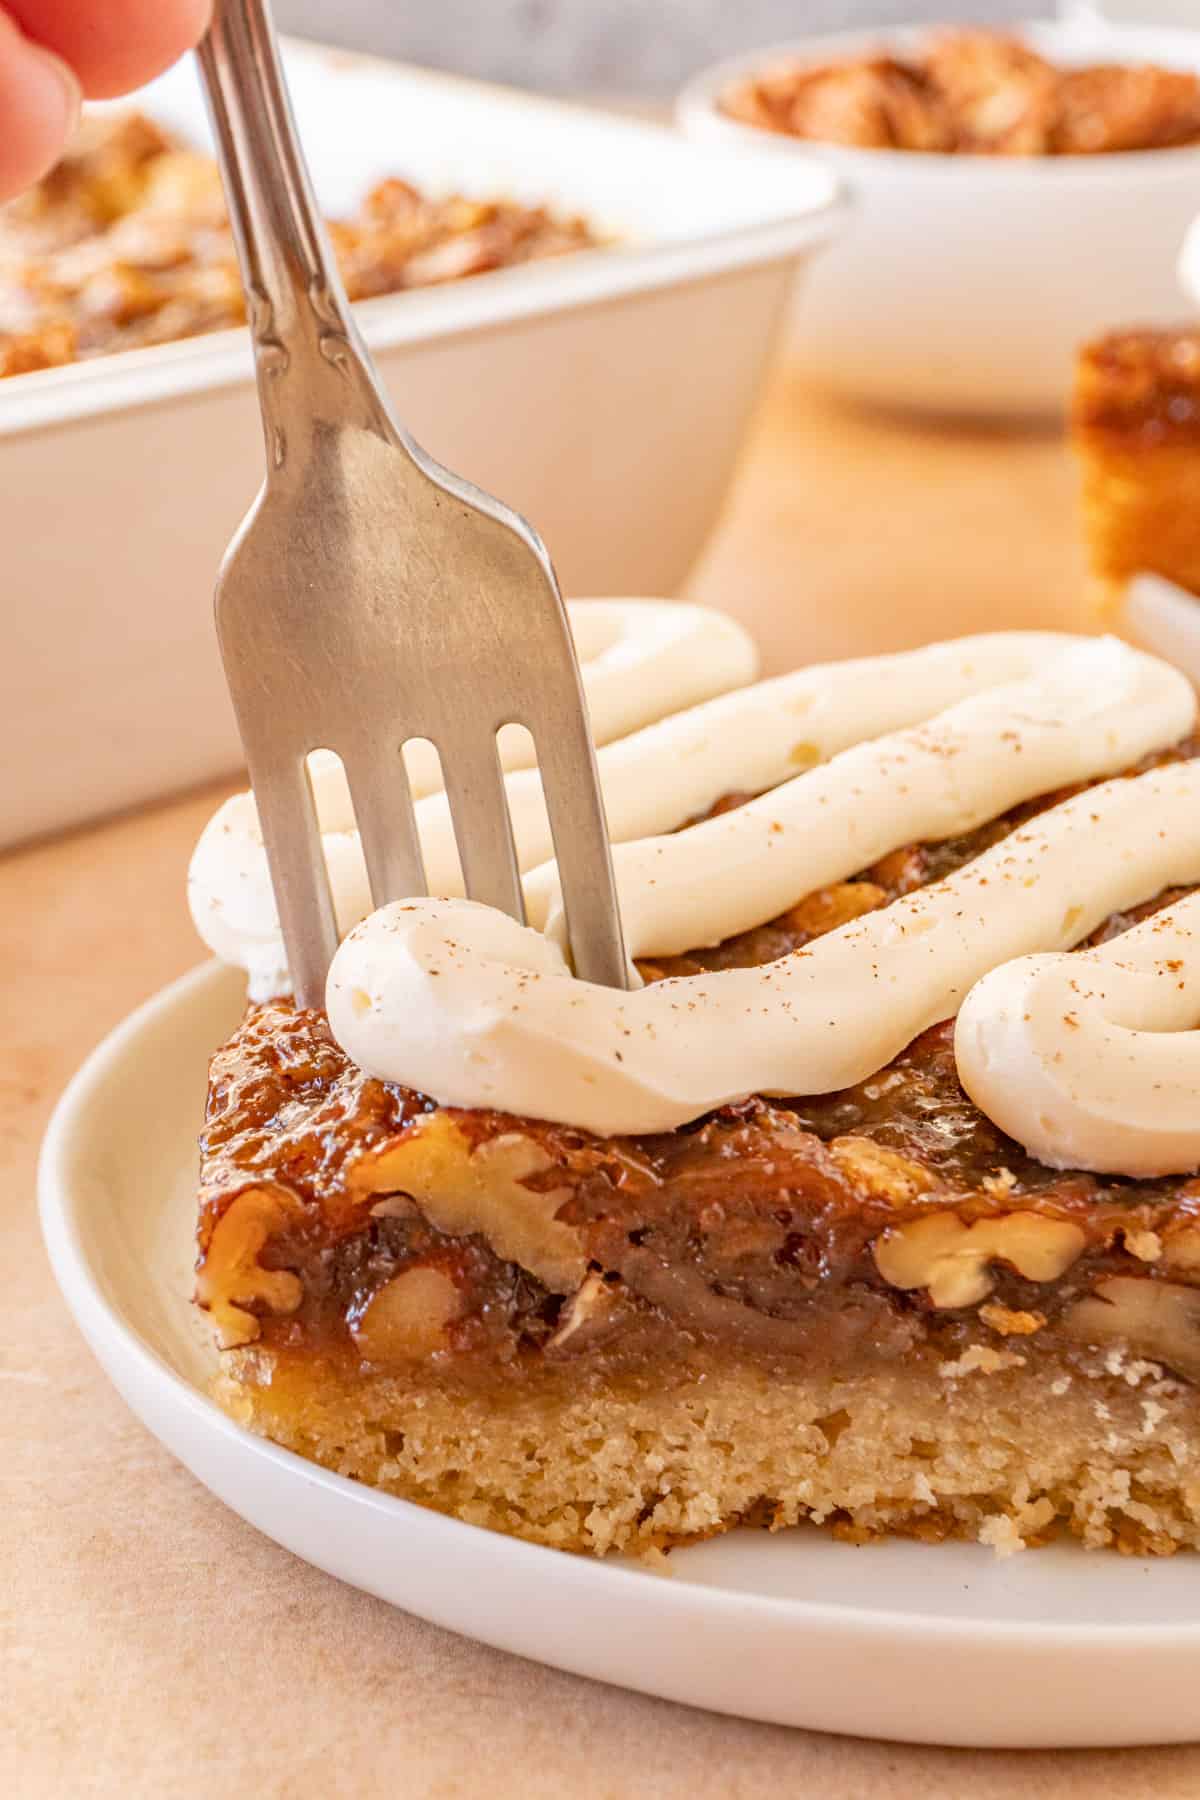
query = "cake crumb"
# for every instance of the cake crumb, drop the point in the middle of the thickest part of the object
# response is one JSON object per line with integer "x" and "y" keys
{"x": 1131, "y": 1371}
{"x": 1000, "y": 1534}
{"x": 1008, "y": 1323}
{"x": 981, "y": 1359}
{"x": 999, "y": 1183}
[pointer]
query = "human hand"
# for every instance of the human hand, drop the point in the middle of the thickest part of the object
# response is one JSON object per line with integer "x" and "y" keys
{"x": 54, "y": 52}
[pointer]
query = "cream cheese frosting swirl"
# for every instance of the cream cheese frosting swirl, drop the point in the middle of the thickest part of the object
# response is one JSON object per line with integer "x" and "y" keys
{"x": 1089, "y": 1060}
{"x": 640, "y": 659}
{"x": 468, "y": 1005}
{"x": 1092, "y": 710}
{"x": 461, "y": 1002}
{"x": 654, "y": 779}
{"x": 1092, "y": 1061}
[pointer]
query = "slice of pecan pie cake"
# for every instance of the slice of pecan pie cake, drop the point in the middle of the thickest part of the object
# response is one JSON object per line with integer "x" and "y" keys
{"x": 874, "y": 1204}
{"x": 1136, "y": 426}
{"x": 1136, "y": 430}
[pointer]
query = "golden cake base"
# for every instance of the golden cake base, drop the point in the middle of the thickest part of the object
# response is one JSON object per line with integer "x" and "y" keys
{"x": 1006, "y": 1446}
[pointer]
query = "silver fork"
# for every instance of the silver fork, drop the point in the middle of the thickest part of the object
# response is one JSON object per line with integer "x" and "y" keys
{"x": 371, "y": 596}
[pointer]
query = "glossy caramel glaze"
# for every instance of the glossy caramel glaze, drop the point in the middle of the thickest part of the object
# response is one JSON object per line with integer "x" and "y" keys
{"x": 1139, "y": 387}
{"x": 757, "y": 1225}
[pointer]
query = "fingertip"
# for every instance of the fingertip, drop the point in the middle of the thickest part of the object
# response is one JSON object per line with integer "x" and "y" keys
{"x": 117, "y": 46}
{"x": 40, "y": 98}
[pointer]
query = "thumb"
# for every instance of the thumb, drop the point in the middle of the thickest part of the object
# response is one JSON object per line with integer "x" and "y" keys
{"x": 39, "y": 104}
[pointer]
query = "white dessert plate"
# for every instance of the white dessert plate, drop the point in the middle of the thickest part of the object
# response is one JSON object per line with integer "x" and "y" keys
{"x": 929, "y": 1643}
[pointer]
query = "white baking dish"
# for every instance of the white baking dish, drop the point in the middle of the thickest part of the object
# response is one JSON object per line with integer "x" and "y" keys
{"x": 604, "y": 395}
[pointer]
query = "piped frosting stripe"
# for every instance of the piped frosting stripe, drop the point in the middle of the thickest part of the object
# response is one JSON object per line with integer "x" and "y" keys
{"x": 1090, "y": 1060}
{"x": 461, "y": 1002}
{"x": 654, "y": 780}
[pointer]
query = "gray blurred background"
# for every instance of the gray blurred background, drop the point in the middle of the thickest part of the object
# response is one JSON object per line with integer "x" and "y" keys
{"x": 599, "y": 46}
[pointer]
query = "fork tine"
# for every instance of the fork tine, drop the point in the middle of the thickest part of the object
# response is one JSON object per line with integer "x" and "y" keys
{"x": 368, "y": 584}
{"x": 288, "y": 817}
{"x": 482, "y": 826}
{"x": 387, "y": 825}
{"x": 571, "y": 785}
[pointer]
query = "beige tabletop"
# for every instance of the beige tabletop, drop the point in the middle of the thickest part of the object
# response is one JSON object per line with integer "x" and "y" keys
{"x": 154, "y": 1644}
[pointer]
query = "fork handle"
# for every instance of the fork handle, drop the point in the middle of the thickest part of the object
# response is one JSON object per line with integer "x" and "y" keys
{"x": 310, "y": 362}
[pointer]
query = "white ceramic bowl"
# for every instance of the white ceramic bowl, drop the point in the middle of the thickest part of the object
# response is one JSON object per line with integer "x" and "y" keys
{"x": 965, "y": 283}
{"x": 604, "y": 394}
